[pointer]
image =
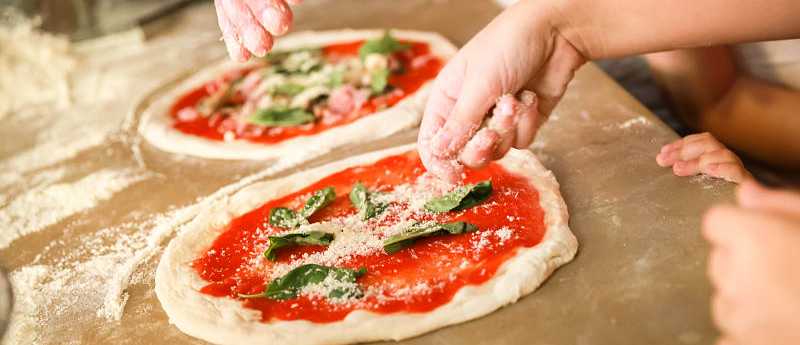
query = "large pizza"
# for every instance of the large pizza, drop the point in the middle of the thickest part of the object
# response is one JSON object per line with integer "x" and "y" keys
{"x": 316, "y": 91}
{"x": 365, "y": 249}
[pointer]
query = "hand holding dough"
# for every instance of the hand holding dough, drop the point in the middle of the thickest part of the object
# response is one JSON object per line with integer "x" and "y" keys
{"x": 249, "y": 26}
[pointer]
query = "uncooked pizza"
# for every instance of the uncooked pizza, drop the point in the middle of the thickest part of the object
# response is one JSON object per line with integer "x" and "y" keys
{"x": 315, "y": 92}
{"x": 368, "y": 248}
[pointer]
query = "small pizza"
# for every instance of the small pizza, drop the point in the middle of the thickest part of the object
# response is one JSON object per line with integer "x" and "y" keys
{"x": 369, "y": 248}
{"x": 314, "y": 92}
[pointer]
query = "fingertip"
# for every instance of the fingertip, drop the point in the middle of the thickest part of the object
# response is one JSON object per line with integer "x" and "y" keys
{"x": 276, "y": 19}
{"x": 257, "y": 41}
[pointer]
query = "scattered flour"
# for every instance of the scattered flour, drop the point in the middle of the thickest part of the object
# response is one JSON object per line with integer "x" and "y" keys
{"x": 35, "y": 68}
{"x": 636, "y": 121}
{"x": 116, "y": 295}
{"x": 45, "y": 206}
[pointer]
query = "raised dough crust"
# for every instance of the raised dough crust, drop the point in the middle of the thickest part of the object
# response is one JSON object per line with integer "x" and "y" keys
{"x": 156, "y": 124}
{"x": 225, "y": 321}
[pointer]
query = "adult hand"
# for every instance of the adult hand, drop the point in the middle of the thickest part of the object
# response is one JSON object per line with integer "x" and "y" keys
{"x": 249, "y": 26}
{"x": 702, "y": 154}
{"x": 755, "y": 249}
{"x": 518, "y": 50}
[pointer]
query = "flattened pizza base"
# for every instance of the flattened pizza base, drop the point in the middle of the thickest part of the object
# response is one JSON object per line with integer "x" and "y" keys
{"x": 225, "y": 321}
{"x": 156, "y": 124}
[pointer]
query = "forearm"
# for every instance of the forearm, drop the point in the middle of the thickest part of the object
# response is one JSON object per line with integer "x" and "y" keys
{"x": 611, "y": 28}
{"x": 758, "y": 118}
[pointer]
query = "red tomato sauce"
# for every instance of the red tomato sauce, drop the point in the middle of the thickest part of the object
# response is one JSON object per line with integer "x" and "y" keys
{"x": 404, "y": 84}
{"x": 445, "y": 263}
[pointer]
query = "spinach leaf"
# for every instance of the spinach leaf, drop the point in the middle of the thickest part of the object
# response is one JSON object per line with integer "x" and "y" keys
{"x": 379, "y": 80}
{"x": 313, "y": 238}
{"x": 286, "y": 218}
{"x": 360, "y": 197}
{"x": 280, "y": 116}
{"x": 461, "y": 198}
{"x": 290, "y": 285}
{"x": 405, "y": 239}
{"x": 318, "y": 200}
{"x": 385, "y": 45}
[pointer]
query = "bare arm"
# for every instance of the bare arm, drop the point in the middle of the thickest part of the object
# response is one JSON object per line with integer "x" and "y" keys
{"x": 610, "y": 28}
{"x": 537, "y": 45}
{"x": 746, "y": 113}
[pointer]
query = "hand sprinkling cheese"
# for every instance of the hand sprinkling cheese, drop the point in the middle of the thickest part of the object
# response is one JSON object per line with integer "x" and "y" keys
{"x": 443, "y": 155}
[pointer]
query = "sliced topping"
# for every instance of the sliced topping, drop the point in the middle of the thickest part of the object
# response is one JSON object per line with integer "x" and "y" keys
{"x": 361, "y": 199}
{"x": 385, "y": 45}
{"x": 286, "y": 218}
{"x": 461, "y": 198}
{"x": 336, "y": 282}
{"x": 422, "y": 230}
{"x": 280, "y": 116}
{"x": 313, "y": 238}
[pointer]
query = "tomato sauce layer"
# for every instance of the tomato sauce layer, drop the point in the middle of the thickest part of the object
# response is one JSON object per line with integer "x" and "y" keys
{"x": 414, "y": 75}
{"x": 429, "y": 273}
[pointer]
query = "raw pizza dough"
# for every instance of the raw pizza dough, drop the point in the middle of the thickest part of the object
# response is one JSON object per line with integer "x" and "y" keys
{"x": 156, "y": 124}
{"x": 225, "y": 321}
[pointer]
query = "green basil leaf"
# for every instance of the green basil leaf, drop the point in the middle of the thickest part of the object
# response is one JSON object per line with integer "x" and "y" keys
{"x": 385, "y": 45}
{"x": 313, "y": 238}
{"x": 461, "y": 198}
{"x": 281, "y": 117}
{"x": 379, "y": 80}
{"x": 289, "y": 89}
{"x": 405, "y": 239}
{"x": 290, "y": 285}
{"x": 284, "y": 217}
{"x": 360, "y": 197}
{"x": 318, "y": 200}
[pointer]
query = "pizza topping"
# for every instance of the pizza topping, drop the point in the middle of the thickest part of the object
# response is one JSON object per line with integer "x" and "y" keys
{"x": 313, "y": 238}
{"x": 286, "y": 218}
{"x": 385, "y": 45}
{"x": 461, "y": 198}
{"x": 416, "y": 260}
{"x": 421, "y": 230}
{"x": 337, "y": 282}
{"x": 362, "y": 200}
{"x": 305, "y": 91}
{"x": 280, "y": 116}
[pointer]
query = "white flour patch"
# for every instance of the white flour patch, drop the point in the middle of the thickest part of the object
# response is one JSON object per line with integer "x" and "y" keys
{"x": 24, "y": 319}
{"x": 44, "y": 206}
{"x": 636, "y": 121}
{"x": 116, "y": 295}
{"x": 68, "y": 291}
{"x": 35, "y": 67}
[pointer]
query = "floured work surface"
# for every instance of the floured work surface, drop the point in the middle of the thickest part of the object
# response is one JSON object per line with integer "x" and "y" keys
{"x": 86, "y": 207}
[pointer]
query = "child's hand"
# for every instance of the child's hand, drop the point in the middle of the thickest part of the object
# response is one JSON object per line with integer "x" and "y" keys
{"x": 249, "y": 26}
{"x": 520, "y": 49}
{"x": 753, "y": 266}
{"x": 702, "y": 154}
